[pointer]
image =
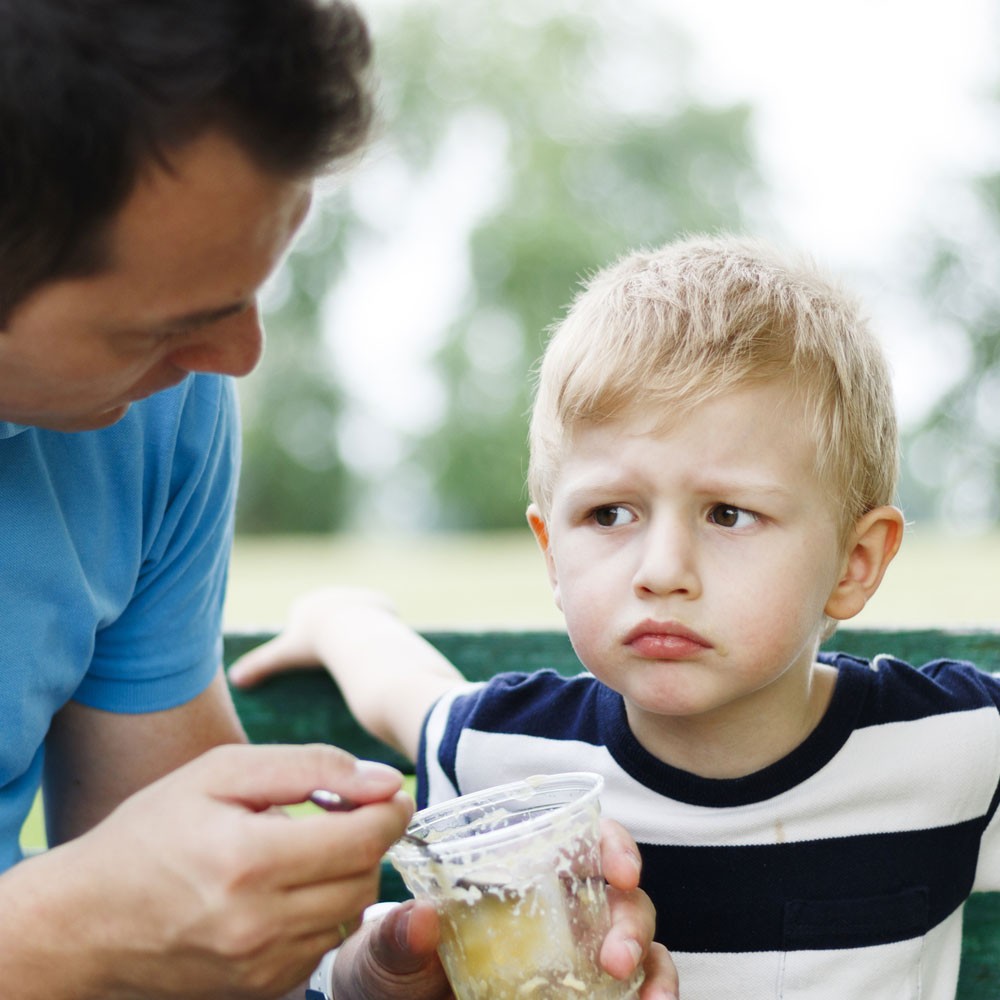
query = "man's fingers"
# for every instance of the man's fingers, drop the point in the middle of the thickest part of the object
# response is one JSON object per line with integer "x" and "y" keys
{"x": 263, "y": 776}
{"x": 283, "y": 853}
{"x": 333, "y": 910}
{"x": 311, "y": 849}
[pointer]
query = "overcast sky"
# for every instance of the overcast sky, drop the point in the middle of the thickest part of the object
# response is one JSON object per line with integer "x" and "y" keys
{"x": 864, "y": 106}
{"x": 870, "y": 114}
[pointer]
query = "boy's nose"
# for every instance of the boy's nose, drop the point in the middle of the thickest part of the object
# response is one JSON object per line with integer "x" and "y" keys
{"x": 231, "y": 347}
{"x": 668, "y": 564}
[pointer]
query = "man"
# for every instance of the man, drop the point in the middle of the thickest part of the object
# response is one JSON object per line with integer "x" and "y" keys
{"x": 157, "y": 157}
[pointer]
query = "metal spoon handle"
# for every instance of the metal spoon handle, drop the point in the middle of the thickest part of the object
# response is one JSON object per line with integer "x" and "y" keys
{"x": 335, "y": 802}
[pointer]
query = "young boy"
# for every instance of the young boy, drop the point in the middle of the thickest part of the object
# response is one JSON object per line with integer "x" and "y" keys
{"x": 713, "y": 467}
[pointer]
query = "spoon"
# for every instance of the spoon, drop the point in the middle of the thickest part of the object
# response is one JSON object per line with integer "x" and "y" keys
{"x": 334, "y": 802}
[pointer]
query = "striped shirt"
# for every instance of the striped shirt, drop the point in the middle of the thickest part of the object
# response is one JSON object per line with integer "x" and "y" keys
{"x": 836, "y": 873}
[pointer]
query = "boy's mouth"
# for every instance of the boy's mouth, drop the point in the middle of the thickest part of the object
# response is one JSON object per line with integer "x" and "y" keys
{"x": 665, "y": 640}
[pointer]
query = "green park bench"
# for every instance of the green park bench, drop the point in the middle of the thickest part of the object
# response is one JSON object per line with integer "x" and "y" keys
{"x": 306, "y": 707}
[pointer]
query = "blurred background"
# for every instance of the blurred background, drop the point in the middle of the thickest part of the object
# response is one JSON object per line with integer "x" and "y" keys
{"x": 523, "y": 144}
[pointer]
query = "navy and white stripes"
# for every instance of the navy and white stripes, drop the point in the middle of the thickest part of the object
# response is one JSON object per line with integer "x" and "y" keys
{"x": 839, "y": 871}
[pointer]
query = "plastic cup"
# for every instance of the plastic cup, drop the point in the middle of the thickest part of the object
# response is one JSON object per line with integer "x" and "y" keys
{"x": 515, "y": 876}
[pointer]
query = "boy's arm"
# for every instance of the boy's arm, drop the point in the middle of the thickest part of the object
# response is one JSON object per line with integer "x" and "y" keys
{"x": 389, "y": 675}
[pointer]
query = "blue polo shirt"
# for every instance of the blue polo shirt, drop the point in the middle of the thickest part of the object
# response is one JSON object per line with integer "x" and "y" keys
{"x": 114, "y": 549}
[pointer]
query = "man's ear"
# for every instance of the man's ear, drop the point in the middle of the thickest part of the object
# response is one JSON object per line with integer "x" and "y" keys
{"x": 541, "y": 533}
{"x": 873, "y": 543}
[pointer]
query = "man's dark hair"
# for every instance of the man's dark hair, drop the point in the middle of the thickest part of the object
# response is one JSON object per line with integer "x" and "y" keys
{"x": 93, "y": 91}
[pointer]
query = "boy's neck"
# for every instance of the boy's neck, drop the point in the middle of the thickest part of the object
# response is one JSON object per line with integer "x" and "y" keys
{"x": 739, "y": 739}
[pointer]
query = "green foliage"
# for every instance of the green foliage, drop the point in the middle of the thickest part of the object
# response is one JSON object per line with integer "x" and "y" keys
{"x": 293, "y": 478}
{"x": 955, "y": 452}
{"x": 591, "y": 168}
{"x": 581, "y": 113}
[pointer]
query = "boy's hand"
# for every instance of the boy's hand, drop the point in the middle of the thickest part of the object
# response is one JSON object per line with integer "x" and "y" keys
{"x": 395, "y": 956}
{"x": 633, "y": 919}
{"x": 361, "y": 641}
{"x": 297, "y": 646}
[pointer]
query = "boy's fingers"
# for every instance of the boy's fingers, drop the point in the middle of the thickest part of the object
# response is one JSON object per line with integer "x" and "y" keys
{"x": 661, "y": 981}
{"x": 620, "y": 860}
{"x": 393, "y": 958}
{"x": 274, "y": 655}
{"x": 406, "y": 938}
{"x": 633, "y": 923}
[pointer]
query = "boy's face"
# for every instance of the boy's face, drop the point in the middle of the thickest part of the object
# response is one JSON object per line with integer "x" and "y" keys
{"x": 190, "y": 247}
{"x": 695, "y": 564}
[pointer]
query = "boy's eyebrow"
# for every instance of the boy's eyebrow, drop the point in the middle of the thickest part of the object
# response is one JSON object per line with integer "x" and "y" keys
{"x": 758, "y": 487}
{"x": 761, "y": 484}
{"x": 737, "y": 490}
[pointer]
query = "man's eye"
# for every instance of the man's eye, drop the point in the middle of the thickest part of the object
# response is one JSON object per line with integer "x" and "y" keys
{"x": 727, "y": 516}
{"x": 165, "y": 333}
{"x": 612, "y": 517}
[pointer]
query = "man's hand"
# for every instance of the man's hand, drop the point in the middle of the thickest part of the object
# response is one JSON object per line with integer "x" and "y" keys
{"x": 198, "y": 888}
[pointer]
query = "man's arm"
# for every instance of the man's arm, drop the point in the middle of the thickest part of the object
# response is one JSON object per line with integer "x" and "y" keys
{"x": 96, "y": 759}
{"x": 389, "y": 674}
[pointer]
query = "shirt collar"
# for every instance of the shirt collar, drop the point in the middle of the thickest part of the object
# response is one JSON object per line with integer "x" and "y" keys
{"x": 9, "y": 430}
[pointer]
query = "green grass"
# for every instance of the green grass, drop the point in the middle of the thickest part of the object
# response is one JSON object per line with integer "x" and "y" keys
{"x": 33, "y": 831}
{"x": 491, "y": 581}
{"x": 499, "y": 580}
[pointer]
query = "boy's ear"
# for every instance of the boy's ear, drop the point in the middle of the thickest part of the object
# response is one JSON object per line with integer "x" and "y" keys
{"x": 874, "y": 542}
{"x": 541, "y": 533}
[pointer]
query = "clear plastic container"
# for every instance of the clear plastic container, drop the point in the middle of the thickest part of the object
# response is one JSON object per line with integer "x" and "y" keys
{"x": 515, "y": 876}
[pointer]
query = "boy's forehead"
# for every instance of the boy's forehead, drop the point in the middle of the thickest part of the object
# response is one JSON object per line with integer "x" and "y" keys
{"x": 762, "y": 433}
{"x": 662, "y": 416}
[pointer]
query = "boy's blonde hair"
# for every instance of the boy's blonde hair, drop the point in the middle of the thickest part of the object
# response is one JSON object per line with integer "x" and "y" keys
{"x": 660, "y": 331}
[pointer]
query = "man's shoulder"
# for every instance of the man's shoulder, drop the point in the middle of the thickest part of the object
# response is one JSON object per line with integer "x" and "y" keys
{"x": 199, "y": 398}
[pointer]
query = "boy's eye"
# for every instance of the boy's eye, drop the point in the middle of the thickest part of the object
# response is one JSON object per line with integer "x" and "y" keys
{"x": 727, "y": 516}
{"x": 612, "y": 516}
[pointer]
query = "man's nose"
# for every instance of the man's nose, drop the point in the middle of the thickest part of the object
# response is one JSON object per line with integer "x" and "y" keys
{"x": 232, "y": 346}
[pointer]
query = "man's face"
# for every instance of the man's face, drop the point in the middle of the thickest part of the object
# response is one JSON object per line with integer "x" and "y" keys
{"x": 189, "y": 250}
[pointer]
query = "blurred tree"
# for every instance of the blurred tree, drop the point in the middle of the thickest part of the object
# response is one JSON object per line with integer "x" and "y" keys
{"x": 953, "y": 456}
{"x": 601, "y": 149}
{"x": 293, "y": 477}
{"x": 577, "y": 122}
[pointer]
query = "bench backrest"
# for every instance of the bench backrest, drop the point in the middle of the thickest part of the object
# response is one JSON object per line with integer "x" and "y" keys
{"x": 306, "y": 707}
